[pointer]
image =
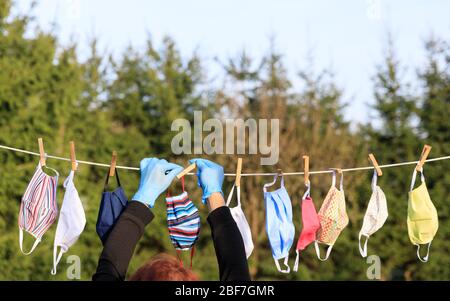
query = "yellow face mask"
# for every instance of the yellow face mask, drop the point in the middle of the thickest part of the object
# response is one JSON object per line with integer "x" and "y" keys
{"x": 422, "y": 216}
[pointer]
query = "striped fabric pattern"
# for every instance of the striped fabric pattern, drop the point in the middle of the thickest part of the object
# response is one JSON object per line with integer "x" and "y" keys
{"x": 183, "y": 221}
{"x": 38, "y": 209}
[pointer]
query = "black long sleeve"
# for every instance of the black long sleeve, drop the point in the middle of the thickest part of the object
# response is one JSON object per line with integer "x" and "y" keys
{"x": 121, "y": 242}
{"x": 229, "y": 246}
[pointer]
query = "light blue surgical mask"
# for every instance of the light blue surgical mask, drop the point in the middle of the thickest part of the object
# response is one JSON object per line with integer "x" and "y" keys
{"x": 279, "y": 226}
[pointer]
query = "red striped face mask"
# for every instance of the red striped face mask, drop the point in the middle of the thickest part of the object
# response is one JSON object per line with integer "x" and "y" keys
{"x": 38, "y": 209}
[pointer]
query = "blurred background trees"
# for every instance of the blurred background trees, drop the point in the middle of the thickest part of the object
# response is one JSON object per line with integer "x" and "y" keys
{"x": 128, "y": 104}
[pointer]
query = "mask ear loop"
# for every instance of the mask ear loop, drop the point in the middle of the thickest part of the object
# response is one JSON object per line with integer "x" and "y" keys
{"x": 413, "y": 180}
{"x": 297, "y": 259}
{"x": 56, "y": 259}
{"x": 374, "y": 180}
{"x": 238, "y": 191}
{"x": 316, "y": 246}
{"x": 36, "y": 242}
{"x": 425, "y": 259}
{"x": 333, "y": 183}
{"x": 69, "y": 178}
{"x": 52, "y": 169}
{"x": 230, "y": 196}
{"x": 363, "y": 250}
{"x": 287, "y": 270}
{"x": 282, "y": 181}
{"x": 341, "y": 182}
{"x": 271, "y": 183}
{"x": 308, "y": 191}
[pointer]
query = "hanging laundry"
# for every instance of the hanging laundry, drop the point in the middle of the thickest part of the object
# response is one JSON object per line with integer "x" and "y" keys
{"x": 111, "y": 206}
{"x": 71, "y": 221}
{"x": 422, "y": 217}
{"x": 38, "y": 209}
{"x": 333, "y": 217}
{"x": 241, "y": 221}
{"x": 279, "y": 226}
{"x": 376, "y": 214}
{"x": 310, "y": 223}
{"x": 183, "y": 221}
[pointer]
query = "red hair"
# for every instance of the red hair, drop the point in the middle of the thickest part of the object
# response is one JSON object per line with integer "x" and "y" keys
{"x": 163, "y": 267}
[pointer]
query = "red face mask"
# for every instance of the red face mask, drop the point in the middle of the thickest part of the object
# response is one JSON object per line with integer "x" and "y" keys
{"x": 311, "y": 224}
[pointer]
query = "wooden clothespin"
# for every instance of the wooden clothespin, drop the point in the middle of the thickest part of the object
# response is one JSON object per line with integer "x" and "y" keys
{"x": 375, "y": 164}
{"x": 423, "y": 157}
{"x": 73, "y": 158}
{"x": 306, "y": 168}
{"x": 186, "y": 170}
{"x": 112, "y": 167}
{"x": 280, "y": 172}
{"x": 238, "y": 172}
{"x": 41, "y": 151}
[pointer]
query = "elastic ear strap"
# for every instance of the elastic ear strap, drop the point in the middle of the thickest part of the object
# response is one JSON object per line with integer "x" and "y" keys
{"x": 36, "y": 242}
{"x": 341, "y": 182}
{"x": 307, "y": 192}
{"x": 106, "y": 182}
{"x": 363, "y": 251}
{"x": 374, "y": 180}
{"x": 286, "y": 271}
{"x": 230, "y": 195}
{"x": 286, "y": 261}
{"x": 56, "y": 260}
{"x": 54, "y": 170}
{"x": 270, "y": 184}
{"x": 239, "y": 195}
{"x": 117, "y": 177}
{"x": 68, "y": 179}
{"x": 296, "y": 261}
{"x": 333, "y": 183}
{"x": 413, "y": 180}
{"x": 182, "y": 183}
{"x": 316, "y": 245}
{"x": 425, "y": 259}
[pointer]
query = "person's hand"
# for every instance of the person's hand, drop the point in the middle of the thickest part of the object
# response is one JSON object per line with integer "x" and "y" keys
{"x": 156, "y": 176}
{"x": 210, "y": 177}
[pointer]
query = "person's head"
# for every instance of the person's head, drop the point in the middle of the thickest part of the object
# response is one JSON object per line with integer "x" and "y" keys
{"x": 163, "y": 267}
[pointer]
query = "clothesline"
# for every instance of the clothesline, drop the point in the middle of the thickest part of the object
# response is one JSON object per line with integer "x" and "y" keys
{"x": 229, "y": 174}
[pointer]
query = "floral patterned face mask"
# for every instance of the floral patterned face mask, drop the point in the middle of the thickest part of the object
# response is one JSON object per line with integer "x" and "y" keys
{"x": 333, "y": 217}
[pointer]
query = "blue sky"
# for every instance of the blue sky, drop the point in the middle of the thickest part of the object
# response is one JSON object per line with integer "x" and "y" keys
{"x": 349, "y": 36}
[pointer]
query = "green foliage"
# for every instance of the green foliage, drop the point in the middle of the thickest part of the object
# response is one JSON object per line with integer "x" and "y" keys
{"x": 128, "y": 105}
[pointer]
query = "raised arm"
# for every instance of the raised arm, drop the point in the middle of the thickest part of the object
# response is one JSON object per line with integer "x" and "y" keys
{"x": 156, "y": 176}
{"x": 227, "y": 239}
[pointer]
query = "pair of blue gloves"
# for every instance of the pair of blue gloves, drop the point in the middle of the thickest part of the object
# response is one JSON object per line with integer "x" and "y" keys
{"x": 157, "y": 174}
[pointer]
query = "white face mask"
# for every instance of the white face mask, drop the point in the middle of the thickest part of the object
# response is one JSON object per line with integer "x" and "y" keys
{"x": 241, "y": 221}
{"x": 375, "y": 216}
{"x": 71, "y": 221}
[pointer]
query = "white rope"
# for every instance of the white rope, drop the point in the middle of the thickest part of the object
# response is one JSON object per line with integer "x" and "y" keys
{"x": 231, "y": 174}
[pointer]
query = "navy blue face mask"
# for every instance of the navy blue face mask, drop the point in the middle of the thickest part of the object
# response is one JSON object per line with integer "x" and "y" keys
{"x": 111, "y": 206}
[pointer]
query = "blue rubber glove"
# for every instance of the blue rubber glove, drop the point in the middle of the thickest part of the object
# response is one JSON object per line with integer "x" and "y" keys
{"x": 156, "y": 176}
{"x": 210, "y": 177}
